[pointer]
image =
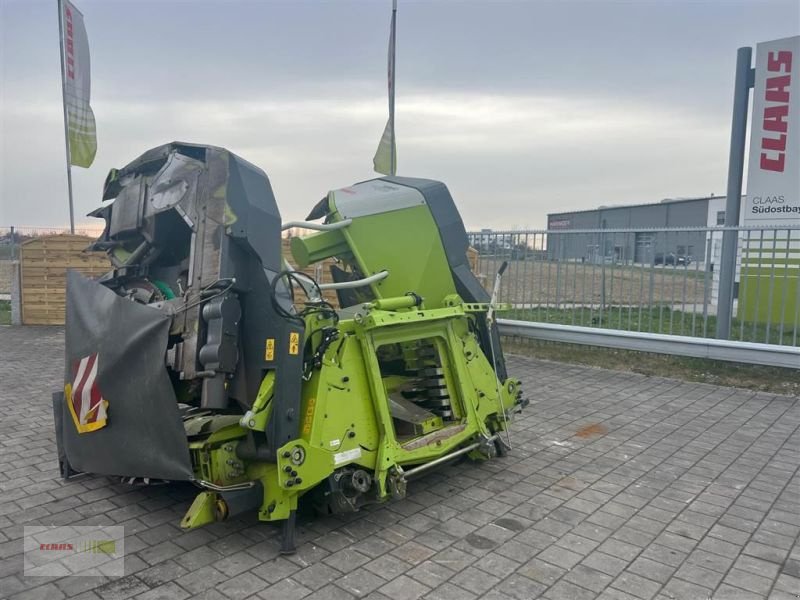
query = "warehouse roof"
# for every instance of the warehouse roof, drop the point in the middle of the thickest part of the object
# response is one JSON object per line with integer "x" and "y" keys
{"x": 616, "y": 206}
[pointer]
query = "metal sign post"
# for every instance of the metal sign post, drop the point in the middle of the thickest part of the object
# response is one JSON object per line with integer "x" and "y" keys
{"x": 66, "y": 117}
{"x": 745, "y": 76}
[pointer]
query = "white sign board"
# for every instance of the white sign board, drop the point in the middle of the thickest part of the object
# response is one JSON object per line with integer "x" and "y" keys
{"x": 773, "y": 174}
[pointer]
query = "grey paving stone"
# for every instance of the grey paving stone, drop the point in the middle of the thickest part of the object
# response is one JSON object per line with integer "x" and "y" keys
{"x": 728, "y": 592}
{"x": 449, "y": 591}
{"x": 237, "y": 563}
{"x": 431, "y": 574}
{"x": 42, "y": 592}
{"x": 316, "y": 576}
{"x": 768, "y": 553}
{"x": 454, "y": 559}
{"x": 577, "y": 544}
{"x": 620, "y": 549}
{"x": 636, "y": 585}
{"x": 404, "y": 588}
{"x": 694, "y": 573}
{"x": 787, "y": 583}
{"x": 605, "y": 563}
{"x": 541, "y": 571}
{"x": 692, "y": 483}
{"x": 360, "y": 582}
{"x": 475, "y": 580}
{"x": 497, "y": 565}
{"x": 413, "y": 553}
{"x": 199, "y": 557}
{"x": 517, "y": 586}
{"x": 122, "y": 588}
{"x": 514, "y": 550}
{"x": 331, "y": 592}
{"x": 346, "y": 560}
{"x": 561, "y": 557}
{"x": 791, "y": 567}
{"x": 242, "y": 586}
{"x": 652, "y": 569}
{"x": 160, "y": 573}
{"x": 275, "y": 570}
{"x": 633, "y": 536}
{"x": 678, "y": 589}
{"x": 198, "y": 581}
{"x": 167, "y": 591}
{"x": 748, "y": 581}
{"x": 286, "y": 589}
{"x": 588, "y": 578}
{"x": 388, "y": 567}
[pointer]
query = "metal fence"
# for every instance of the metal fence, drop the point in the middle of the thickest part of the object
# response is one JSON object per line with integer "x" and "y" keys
{"x": 649, "y": 281}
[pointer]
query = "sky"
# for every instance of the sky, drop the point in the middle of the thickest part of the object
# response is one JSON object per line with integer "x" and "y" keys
{"x": 521, "y": 108}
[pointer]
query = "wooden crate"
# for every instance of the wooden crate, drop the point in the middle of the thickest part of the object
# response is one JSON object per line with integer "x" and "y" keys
{"x": 43, "y": 266}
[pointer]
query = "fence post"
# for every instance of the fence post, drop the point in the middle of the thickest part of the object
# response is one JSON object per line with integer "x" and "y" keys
{"x": 13, "y": 244}
{"x": 727, "y": 273}
{"x": 16, "y": 292}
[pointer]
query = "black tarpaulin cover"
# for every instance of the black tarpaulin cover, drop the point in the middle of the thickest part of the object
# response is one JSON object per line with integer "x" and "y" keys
{"x": 143, "y": 435}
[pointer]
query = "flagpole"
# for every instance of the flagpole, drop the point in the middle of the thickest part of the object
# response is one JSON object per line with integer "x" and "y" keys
{"x": 64, "y": 106}
{"x": 392, "y": 164}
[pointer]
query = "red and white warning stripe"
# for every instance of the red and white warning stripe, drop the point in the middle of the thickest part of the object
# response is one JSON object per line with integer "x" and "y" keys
{"x": 87, "y": 402}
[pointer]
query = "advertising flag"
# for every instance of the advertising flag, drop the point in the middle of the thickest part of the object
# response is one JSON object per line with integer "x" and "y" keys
{"x": 76, "y": 80}
{"x": 385, "y": 160}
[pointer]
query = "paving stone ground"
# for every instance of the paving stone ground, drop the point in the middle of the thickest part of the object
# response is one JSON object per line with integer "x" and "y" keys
{"x": 619, "y": 486}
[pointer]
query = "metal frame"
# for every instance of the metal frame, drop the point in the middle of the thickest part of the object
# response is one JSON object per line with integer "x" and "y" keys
{"x": 742, "y": 352}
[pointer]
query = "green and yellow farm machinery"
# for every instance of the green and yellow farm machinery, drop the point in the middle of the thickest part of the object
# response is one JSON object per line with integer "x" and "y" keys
{"x": 203, "y": 356}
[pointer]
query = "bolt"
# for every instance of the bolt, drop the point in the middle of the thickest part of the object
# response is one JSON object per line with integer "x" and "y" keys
{"x": 286, "y": 454}
{"x": 289, "y": 483}
{"x": 352, "y": 434}
{"x": 287, "y": 469}
{"x": 298, "y": 481}
{"x": 294, "y": 473}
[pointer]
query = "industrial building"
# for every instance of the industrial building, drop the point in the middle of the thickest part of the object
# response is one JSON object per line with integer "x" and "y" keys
{"x": 640, "y": 244}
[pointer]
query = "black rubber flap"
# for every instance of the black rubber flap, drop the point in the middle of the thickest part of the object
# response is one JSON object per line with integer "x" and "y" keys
{"x": 143, "y": 435}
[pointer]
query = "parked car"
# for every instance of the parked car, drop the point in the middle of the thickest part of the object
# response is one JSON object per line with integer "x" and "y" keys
{"x": 670, "y": 258}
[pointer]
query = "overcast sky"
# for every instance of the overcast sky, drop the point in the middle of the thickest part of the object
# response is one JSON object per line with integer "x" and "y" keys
{"x": 521, "y": 108}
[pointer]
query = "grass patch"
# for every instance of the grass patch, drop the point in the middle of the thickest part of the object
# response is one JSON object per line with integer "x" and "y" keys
{"x": 5, "y": 312}
{"x": 656, "y": 320}
{"x": 775, "y": 380}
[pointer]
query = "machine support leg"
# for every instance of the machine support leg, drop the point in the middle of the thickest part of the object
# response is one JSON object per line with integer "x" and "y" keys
{"x": 287, "y": 543}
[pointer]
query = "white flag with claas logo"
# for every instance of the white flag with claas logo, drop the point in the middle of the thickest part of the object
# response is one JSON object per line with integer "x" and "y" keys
{"x": 76, "y": 78}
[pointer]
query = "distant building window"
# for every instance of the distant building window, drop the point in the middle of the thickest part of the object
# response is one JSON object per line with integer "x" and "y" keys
{"x": 720, "y": 217}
